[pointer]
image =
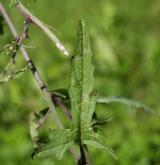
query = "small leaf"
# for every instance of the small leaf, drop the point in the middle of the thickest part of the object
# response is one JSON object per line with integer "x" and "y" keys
{"x": 36, "y": 119}
{"x": 60, "y": 141}
{"x": 62, "y": 93}
{"x": 9, "y": 73}
{"x": 96, "y": 125}
{"x": 125, "y": 101}
{"x": 100, "y": 145}
{"x": 11, "y": 48}
{"x": 5, "y": 76}
{"x": 49, "y": 150}
{"x": 96, "y": 141}
{"x": 14, "y": 3}
{"x": 18, "y": 73}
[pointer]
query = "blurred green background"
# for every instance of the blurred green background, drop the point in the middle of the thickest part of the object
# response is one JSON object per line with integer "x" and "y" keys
{"x": 125, "y": 38}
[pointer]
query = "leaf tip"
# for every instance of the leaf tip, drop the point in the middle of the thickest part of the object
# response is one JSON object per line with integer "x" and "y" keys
{"x": 82, "y": 22}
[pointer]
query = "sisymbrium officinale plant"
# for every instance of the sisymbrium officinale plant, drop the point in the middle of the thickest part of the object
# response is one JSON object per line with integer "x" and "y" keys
{"x": 83, "y": 98}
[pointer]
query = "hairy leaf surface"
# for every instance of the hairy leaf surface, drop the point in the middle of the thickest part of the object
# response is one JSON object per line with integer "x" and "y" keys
{"x": 60, "y": 141}
{"x": 83, "y": 101}
{"x": 81, "y": 89}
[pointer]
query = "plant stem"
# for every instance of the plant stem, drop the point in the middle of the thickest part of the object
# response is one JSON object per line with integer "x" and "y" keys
{"x": 32, "y": 67}
{"x": 83, "y": 156}
{"x": 28, "y": 15}
{"x": 47, "y": 95}
{"x": 58, "y": 101}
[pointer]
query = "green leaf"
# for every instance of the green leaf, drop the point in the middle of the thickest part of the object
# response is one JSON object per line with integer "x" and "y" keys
{"x": 81, "y": 91}
{"x": 83, "y": 101}
{"x": 101, "y": 145}
{"x": 9, "y": 73}
{"x": 36, "y": 120}
{"x": 6, "y": 75}
{"x": 97, "y": 140}
{"x": 14, "y": 3}
{"x": 125, "y": 101}
{"x": 11, "y": 48}
{"x": 96, "y": 125}
{"x": 62, "y": 93}
{"x": 60, "y": 141}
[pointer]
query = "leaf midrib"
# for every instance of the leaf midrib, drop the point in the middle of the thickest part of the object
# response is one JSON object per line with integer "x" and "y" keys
{"x": 82, "y": 89}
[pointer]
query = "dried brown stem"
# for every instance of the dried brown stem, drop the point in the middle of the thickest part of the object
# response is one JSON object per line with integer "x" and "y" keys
{"x": 58, "y": 101}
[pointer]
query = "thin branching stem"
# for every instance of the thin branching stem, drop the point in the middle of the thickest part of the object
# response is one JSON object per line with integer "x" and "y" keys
{"x": 32, "y": 67}
{"x": 47, "y": 95}
{"x": 28, "y": 15}
{"x": 58, "y": 101}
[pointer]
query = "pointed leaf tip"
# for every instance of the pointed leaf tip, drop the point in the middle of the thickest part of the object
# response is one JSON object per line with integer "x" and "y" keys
{"x": 82, "y": 81}
{"x": 82, "y": 23}
{"x": 83, "y": 41}
{"x": 82, "y": 28}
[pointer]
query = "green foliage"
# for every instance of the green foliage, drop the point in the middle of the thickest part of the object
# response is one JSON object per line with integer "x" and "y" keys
{"x": 14, "y": 3}
{"x": 10, "y": 48}
{"x": 59, "y": 142}
{"x": 125, "y": 101}
{"x": 9, "y": 73}
{"x": 81, "y": 91}
{"x": 83, "y": 101}
{"x": 62, "y": 93}
{"x": 36, "y": 120}
{"x": 126, "y": 57}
